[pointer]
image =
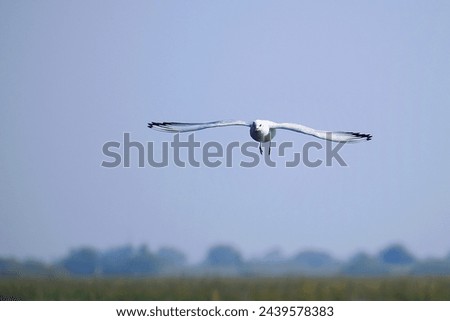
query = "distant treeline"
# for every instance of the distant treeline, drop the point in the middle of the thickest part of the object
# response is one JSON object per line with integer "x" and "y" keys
{"x": 223, "y": 260}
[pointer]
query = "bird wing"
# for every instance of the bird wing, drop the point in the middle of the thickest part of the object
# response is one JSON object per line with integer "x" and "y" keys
{"x": 327, "y": 135}
{"x": 175, "y": 127}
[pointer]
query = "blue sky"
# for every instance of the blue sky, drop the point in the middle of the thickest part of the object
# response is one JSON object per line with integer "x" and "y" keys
{"x": 74, "y": 75}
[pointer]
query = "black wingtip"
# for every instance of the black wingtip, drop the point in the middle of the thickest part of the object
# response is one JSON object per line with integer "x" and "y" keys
{"x": 360, "y": 135}
{"x": 366, "y": 136}
{"x": 155, "y": 124}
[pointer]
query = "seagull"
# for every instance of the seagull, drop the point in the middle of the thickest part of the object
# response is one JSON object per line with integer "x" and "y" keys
{"x": 261, "y": 130}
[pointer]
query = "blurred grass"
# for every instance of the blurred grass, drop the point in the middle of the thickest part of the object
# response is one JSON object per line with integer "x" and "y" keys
{"x": 289, "y": 288}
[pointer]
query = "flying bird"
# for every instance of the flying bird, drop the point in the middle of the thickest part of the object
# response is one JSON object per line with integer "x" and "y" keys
{"x": 261, "y": 130}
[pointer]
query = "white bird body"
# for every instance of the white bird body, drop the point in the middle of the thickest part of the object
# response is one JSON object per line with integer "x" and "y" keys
{"x": 262, "y": 130}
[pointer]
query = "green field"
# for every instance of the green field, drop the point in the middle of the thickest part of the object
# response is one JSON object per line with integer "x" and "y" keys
{"x": 402, "y": 288}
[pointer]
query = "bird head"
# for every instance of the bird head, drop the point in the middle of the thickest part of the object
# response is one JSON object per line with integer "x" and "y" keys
{"x": 258, "y": 125}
